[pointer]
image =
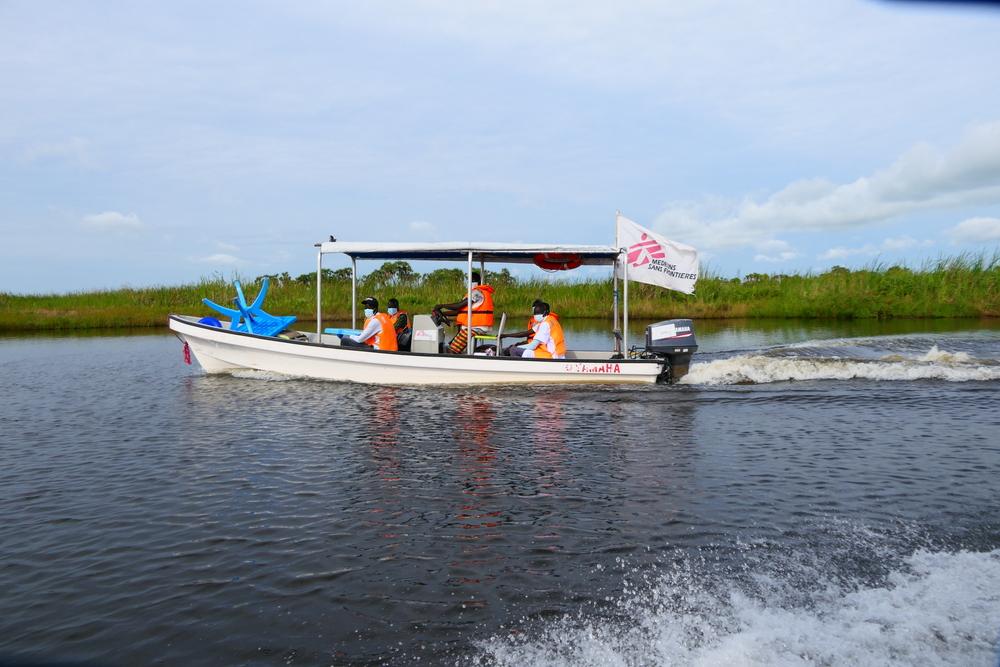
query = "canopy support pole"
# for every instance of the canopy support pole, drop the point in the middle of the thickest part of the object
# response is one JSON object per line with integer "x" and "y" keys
{"x": 614, "y": 310}
{"x": 354, "y": 292}
{"x": 319, "y": 295}
{"x": 625, "y": 315}
{"x": 468, "y": 305}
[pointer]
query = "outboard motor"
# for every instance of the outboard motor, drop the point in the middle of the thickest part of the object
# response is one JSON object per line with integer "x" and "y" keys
{"x": 674, "y": 340}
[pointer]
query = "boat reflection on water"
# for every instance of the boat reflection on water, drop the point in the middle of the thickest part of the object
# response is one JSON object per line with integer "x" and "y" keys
{"x": 507, "y": 528}
{"x": 386, "y": 513}
{"x": 548, "y": 439}
{"x": 548, "y": 449}
{"x": 421, "y": 511}
{"x": 478, "y": 521}
{"x": 384, "y": 430}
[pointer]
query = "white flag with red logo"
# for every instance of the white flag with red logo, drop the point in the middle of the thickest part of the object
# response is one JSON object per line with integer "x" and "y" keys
{"x": 655, "y": 260}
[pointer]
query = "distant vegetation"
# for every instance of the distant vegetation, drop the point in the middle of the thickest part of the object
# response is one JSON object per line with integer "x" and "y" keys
{"x": 963, "y": 286}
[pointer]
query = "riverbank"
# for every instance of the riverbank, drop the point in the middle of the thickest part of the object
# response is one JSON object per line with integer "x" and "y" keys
{"x": 956, "y": 287}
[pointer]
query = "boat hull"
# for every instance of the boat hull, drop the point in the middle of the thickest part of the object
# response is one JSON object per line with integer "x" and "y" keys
{"x": 224, "y": 351}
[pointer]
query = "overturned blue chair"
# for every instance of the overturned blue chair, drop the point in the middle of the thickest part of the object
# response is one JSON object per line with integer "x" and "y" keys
{"x": 254, "y": 319}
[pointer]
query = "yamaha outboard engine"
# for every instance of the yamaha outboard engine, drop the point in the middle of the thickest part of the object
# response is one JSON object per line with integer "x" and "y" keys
{"x": 673, "y": 340}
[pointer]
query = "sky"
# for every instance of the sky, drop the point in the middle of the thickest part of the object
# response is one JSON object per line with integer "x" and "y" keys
{"x": 147, "y": 143}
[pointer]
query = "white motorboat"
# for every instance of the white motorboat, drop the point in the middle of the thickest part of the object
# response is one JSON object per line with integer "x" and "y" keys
{"x": 664, "y": 357}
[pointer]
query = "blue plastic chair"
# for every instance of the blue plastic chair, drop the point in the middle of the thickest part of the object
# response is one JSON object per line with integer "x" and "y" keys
{"x": 252, "y": 318}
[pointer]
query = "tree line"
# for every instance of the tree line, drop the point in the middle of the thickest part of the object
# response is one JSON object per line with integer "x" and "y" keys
{"x": 391, "y": 274}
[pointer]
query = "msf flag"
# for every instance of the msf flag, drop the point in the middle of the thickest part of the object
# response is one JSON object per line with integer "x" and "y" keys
{"x": 654, "y": 260}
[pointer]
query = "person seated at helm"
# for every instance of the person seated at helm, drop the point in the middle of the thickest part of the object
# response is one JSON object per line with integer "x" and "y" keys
{"x": 481, "y": 299}
{"x": 528, "y": 333}
{"x": 377, "y": 332}
{"x": 400, "y": 323}
{"x": 548, "y": 341}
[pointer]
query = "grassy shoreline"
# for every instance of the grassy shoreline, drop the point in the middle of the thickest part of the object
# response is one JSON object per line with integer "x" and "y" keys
{"x": 964, "y": 286}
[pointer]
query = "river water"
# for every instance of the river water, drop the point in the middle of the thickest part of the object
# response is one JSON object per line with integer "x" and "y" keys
{"x": 813, "y": 494}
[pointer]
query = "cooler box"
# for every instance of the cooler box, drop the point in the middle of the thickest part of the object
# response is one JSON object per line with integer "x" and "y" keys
{"x": 428, "y": 337}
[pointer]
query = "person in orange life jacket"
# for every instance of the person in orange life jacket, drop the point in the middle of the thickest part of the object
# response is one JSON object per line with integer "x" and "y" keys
{"x": 481, "y": 299}
{"x": 548, "y": 341}
{"x": 528, "y": 333}
{"x": 400, "y": 323}
{"x": 377, "y": 333}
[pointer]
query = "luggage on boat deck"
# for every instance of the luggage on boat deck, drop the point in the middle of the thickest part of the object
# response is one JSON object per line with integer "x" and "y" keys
{"x": 427, "y": 336}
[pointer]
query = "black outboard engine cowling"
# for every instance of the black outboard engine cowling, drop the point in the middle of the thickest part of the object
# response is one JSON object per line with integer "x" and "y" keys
{"x": 674, "y": 340}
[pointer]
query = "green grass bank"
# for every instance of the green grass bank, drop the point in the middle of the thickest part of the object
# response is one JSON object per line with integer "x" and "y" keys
{"x": 963, "y": 286}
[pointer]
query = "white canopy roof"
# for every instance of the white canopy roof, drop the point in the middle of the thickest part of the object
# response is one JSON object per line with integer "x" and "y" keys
{"x": 458, "y": 251}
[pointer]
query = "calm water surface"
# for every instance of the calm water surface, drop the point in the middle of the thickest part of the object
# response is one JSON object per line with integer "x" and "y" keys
{"x": 814, "y": 494}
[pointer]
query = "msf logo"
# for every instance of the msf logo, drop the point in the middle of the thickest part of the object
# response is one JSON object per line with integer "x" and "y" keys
{"x": 643, "y": 252}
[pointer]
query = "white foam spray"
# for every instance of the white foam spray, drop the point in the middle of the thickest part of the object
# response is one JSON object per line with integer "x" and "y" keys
{"x": 936, "y": 355}
{"x": 266, "y": 376}
{"x": 935, "y": 608}
{"x": 935, "y": 364}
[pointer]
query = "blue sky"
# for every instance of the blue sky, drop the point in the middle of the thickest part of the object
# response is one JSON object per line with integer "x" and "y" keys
{"x": 155, "y": 143}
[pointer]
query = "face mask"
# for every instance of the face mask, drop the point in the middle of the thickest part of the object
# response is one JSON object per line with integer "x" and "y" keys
{"x": 539, "y": 317}
{"x": 369, "y": 312}
{"x": 393, "y": 311}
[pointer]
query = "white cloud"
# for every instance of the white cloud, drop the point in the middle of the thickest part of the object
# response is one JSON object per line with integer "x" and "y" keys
{"x": 901, "y": 243}
{"x": 842, "y": 252}
{"x": 976, "y": 230}
{"x": 228, "y": 247}
{"x": 112, "y": 220}
{"x": 774, "y": 250}
{"x": 921, "y": 179}
{"x": 780, "y": 257}
{"x": 220, "y": 258}
{"x": 870, "y": 249}
{"x": 806, "y": 67}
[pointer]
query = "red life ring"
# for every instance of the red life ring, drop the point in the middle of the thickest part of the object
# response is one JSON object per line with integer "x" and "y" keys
{"x": 557, "y": 261}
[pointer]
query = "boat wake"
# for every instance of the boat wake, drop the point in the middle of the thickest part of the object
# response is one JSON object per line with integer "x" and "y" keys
{"x": 266, "y": 376}
{"x": 844, "y": 360}
{"x": 929, "y": 608}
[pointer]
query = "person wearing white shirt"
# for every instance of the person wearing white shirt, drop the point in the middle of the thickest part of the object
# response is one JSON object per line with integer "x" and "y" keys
{"x": 548, "y": 341}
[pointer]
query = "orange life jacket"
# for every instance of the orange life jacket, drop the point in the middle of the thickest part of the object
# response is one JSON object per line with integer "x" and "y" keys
{"x": 395, "y": 318}
{"x": 557, "y": 344}
{"x": 482, "y": 315}
{"x": 533, "y": 325}
{"x": 385, "y": 337}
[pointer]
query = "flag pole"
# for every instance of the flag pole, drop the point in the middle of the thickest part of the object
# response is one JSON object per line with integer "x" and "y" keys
{"x": 615, "y": 331}
{"x": 625, "y": 315}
